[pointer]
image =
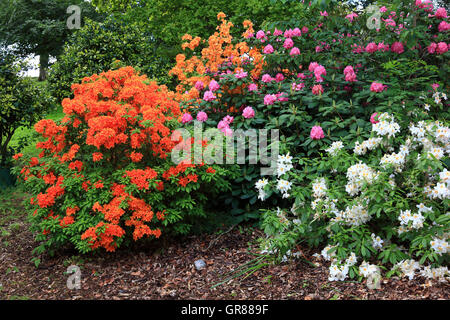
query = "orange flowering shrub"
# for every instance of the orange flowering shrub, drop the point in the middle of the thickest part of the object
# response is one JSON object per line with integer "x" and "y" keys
{"x": 104, "y": 174}
{"x": 220, "y": 49}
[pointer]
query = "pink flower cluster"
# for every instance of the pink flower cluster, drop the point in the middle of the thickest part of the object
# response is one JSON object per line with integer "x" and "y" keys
{"x": 318, "y": 71}
{"x": 317, "y": 133}
{"x": 443, "y": 26}
{"x": 248, "y": 113}
{"x": 224, "y": 125}
{"x": 438, "y": 48}
{"x": 350, "y": 74}
{"x": 317, "y": 89}
{"x": 202, "y": 116}
{"x": 396, "y": 47}
{"x": 377, "y": 87}
{"x": 186, "y": 118}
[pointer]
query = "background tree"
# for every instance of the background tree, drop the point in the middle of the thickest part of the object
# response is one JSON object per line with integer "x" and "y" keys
{"x": 96, "y": 46}
{"x": 21, "y": 102}
{"x": 38, "y": 26}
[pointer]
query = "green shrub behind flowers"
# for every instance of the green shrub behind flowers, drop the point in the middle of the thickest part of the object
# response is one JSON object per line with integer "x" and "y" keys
{"x": 105, "y": 177}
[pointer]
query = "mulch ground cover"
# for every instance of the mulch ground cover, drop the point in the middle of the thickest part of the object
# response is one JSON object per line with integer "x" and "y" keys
{"x": 169, "y": 273}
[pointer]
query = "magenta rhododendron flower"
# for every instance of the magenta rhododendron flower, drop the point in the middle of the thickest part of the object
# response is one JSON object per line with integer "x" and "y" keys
{"x": 320, "y": 71}
{"x": 351, "y": 16}
{"x": 376, "y": 87}
{"x": 199, "y": 85}
{"x": 222, "y": 125}
{"x": 288, "y": 43}
{"x": 296, "y": 32}
{"x": 260, "y": 35}
{"x": 373, "y": 118}
{"x": 214, "y": 86}
{"x": 202, "y": 116}
{"x": 228, "y": 119}
{"x": 279, "y": 77}
{"x": 350, "y": 77}
{"x": 317, "y": 89}
{"x": 270, "y": 99}
{"x": 317, "y": 133}
{"x": 294, "y": 51}
{"x": 443, "y": 26}
{"x": 241, "y": 75}
{"x": 266, "y": 78}
{"x": 248, "y": 113}
{"x": 324, "y": 13}
{"x": 312, "y": 66}
{"x": 371, "y": 47}
{"x": 186, "y": 118}
{"x": 208, "y": 96}
{"x": 297, "y": 86}
{"x": 442, "y": 48}
{"x": 383, "y": 9}
{"x": 432, "y": 48}
{"x": 397, "y": 47}
{"x": 277, "y": 32}
{"x": 441, "y": 13}
{"x": 282, "y": 96}
{"x": 268, "y": 49}
{"x": 252, "y": 87}
{"x": 383, "y": 47}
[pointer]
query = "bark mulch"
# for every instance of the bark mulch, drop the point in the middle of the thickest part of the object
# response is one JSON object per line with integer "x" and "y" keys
{"x": 169, "y": 273}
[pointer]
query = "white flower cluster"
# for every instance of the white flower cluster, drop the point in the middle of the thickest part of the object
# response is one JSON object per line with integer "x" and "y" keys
{"x": 377, "y": 242}
{"x": 366, "y": 269}
{"x": 328, "y": 255}
{"x": 284, "y": 186}
{"x": 339, "y": 273}
{"x": 370, "y": 144}
{"x": 408, "y": 268}
{"x": 319, "y": 187}
{"x": 333, "y": 150}
{"x": 355, "y": 215}
{"x": 284, "y": 164}
{"x": 422, "y": 131}
{"x": 406, "y": 217}
{"x": 395, "y": 159}
{"x": 260, "y": 184}
{"x": 440, "y": 246}
{"x": 444, "y": 176}
{"x": 357, "y": 175}
{"x": 435, "y": 273}
{"x": 438, "y": 96}
{"x": 386, "y": 125}
{"x": 440, "y": 191}
{"x": 326, "y": 204}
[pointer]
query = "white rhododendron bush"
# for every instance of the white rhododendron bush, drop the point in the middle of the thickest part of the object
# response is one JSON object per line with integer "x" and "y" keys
{"x": 386, "y": 200}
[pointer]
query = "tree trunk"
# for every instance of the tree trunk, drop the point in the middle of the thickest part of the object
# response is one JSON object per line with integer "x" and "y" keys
{"x": 43, "y": 65}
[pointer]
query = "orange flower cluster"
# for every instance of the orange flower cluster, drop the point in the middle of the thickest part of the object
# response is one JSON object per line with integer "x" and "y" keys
{"x": 141, "y": 177}
{"x": 220, "y": 49}
{"x": 48, "y": 199}
{"x": 98, "y": 238}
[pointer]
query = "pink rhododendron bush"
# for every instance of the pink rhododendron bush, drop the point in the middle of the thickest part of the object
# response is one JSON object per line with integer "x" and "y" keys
{"x": 360, "y": 102}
